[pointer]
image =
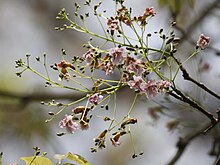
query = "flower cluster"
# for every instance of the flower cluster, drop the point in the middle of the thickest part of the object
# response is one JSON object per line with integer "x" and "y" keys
{"x": 150, "y": 88}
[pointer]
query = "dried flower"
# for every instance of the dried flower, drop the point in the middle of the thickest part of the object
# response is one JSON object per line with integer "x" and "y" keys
{"x": 114, "y": 139}
{"x": 113, "y": 25}
{"x": 95, "y": 98}
{"x": 68, "y": 123}
{"x": 117, "y": 55}
{"x": 129, "y": 121}
{"x": 64, "y": 72}
{"x": 203, "y": 41}
{"x": 100, "y": 141}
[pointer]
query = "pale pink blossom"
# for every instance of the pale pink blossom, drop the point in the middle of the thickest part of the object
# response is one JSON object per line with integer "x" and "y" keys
{"x": 68, "y": 123}
{"x": 163, "y": 85}
{"x": 88, "y": 56}
{"x": 95, "y": 98}
{"x": 134, "y": 66}
{"x": 203, "y": 41}
{"x": 150, "y": 89}
{"x": 137, "y": 83}
{"x": 117, "y": 55}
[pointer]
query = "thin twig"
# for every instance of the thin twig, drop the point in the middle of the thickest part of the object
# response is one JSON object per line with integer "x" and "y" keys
{"x": 183, "y": 143}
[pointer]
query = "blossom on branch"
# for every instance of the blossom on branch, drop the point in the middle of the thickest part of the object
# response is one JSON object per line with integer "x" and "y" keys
{"x": 150, "y": 89}
{"x": 117, "y": 54}
{"x": 203, "y": 41}
{"x": 88, "y": 56}
{"x": 68, "y": 123}
{"x": 134, "y": 66}
{"x": 95, "y": 98}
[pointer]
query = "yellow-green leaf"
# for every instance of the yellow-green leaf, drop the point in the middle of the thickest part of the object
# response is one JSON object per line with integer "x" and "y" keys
{"x": 36, "y": 160}
{"x": 77, "y": 158}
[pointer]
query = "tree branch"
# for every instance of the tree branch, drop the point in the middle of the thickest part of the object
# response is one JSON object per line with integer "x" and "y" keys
{"x": 186, "y": 76}
{"x": 183, "y": 143}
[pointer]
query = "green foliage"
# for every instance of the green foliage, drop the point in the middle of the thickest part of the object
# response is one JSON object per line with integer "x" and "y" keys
{"x": 77, "y": 158}
{"x": 36, "y": 160}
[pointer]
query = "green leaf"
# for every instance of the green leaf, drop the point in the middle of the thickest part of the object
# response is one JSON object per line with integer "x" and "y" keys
{"x": 77, "y": 158}
{"x": 36, "y": 160}
{"x": 68, "y": 164}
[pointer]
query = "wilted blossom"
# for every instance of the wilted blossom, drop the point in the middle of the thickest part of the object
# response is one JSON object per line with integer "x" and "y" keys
{"x": 137, "y": 83}
{"x": 108, "y": 67}
{"x": 95, "y": 98}
{"x": 203, "y": 41}
{"x": 150, "y": 89}
{"x": 68, "y": 123}
{"x": 88, "y": 56}
{"x": 114, "y": 139}
{"x": 14, "y": 164}
{"x": 113, "y": 25}
{"x": 64, "y": 72}
{"x": 134, "y": 66}
{"x": 117, "y": 54}
{"x": 163, "y": 85}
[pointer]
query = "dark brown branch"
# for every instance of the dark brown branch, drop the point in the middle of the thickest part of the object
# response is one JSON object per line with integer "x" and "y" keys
{"x": 186, "y": 76}
{"x": 183, "y": 143}
{"x": 180, "y": 96}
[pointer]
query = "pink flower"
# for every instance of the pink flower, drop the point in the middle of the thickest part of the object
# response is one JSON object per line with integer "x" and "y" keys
{"x": 150, "y": 89}
{"x": 134, "y": 66}
{"x": 149, "y": 12}
{"x": 68, "y": 123}
{"x": 203, "y": 41}
{"x": 95, "y": 98}
{"x": 108, "y": 67}
{"x": 88, "y": 56}
{"x": 137, "y": 83}
{"x": 163, "y": 86}
{"x": 14, "y": 164}
{"x": 117, "y": 55}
